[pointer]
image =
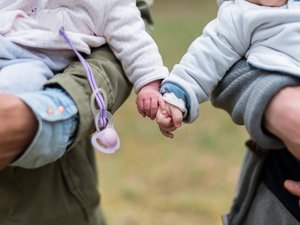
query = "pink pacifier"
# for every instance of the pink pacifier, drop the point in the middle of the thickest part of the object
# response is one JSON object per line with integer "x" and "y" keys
{"x": 106, "y": 140}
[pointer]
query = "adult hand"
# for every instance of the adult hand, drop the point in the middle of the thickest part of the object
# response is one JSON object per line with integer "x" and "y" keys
{"x": 293, "y": 187}
{"x": 18, "y": 127}
{"x": 283, "y": 120}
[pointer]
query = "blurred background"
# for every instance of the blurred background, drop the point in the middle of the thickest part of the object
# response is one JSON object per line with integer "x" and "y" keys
{"x": 189, "y": 180}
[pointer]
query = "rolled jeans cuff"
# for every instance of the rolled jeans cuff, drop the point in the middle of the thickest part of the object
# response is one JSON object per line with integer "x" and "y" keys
{"x": 57, "y": 117}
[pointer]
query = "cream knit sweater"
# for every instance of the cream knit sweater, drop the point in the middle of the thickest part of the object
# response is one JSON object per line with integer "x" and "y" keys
{"x": 89, "y": 23}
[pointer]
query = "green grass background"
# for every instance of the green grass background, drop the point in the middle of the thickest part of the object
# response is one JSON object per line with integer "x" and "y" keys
{"x": 189, "y": 180}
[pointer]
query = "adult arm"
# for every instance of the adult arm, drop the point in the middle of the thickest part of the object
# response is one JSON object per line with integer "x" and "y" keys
{"x": 282, "y": 118}
{"x": 61, "y": 111}
{"x": 267, "y": 104}
{"x": 17, "y": 129}
{"x": 245, "y": 94}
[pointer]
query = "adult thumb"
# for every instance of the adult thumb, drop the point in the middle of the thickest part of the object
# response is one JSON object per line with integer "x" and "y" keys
{"x": 293, "y": 187}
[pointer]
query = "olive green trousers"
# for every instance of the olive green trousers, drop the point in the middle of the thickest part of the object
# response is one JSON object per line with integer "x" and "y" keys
{"x": 65, "y": 192}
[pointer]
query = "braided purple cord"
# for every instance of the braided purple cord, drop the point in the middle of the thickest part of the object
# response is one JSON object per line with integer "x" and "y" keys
{"x": 91, "y": 79}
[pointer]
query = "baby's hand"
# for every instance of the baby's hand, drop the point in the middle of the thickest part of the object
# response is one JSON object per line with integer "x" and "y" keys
{"x": 169, "y": 119}
{"x": 148, "y": 99}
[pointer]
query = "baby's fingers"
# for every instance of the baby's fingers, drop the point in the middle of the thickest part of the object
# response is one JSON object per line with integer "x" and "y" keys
{"x": 177, "y": 116}
{"x": 154, "y": 108}
{"x": 168, "y": 130}
{"x": 162, "y": 119}
{"x": 161, "y": 103}
{"x": 140, "y": 106}
{"x": 166, "y": 133}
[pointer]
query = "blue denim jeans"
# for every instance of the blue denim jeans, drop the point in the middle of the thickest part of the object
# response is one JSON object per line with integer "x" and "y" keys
{"x": 24, "y": 69}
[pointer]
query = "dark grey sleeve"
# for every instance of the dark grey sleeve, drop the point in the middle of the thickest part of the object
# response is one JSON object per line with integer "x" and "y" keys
{"x": 245, "y": 92}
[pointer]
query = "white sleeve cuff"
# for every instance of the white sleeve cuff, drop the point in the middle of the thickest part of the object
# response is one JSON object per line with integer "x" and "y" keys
{"x": 172, "y": 99}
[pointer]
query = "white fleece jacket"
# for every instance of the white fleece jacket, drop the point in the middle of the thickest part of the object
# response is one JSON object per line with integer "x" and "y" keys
{"x": 89, "y": 23}
{"x": 268, "y": 37}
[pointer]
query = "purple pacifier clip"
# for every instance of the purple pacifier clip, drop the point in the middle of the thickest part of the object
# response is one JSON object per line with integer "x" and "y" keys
{"x": 105, "y": 140}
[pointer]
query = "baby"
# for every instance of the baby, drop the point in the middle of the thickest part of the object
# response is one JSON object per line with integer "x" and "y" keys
{"x": 266, "y": 32}
{"x": 32, "y": 50}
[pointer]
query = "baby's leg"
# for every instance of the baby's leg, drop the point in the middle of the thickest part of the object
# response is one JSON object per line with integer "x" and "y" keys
{"x": 24, "y": 76}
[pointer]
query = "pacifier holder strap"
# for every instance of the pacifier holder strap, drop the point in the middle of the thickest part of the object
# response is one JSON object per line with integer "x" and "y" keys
{"x": 105, "y": 139}
{"x": 91, "y": 79}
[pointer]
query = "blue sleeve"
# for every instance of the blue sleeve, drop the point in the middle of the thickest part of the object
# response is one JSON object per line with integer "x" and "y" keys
{"x": 169, "y": 87}
{"x": 57, "y": 117}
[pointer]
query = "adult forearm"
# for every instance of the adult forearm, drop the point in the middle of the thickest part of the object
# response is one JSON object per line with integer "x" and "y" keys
{"x": 245, "y": 94}
{"x": 18, "y": 127}
{"x": 282, "y": 118}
